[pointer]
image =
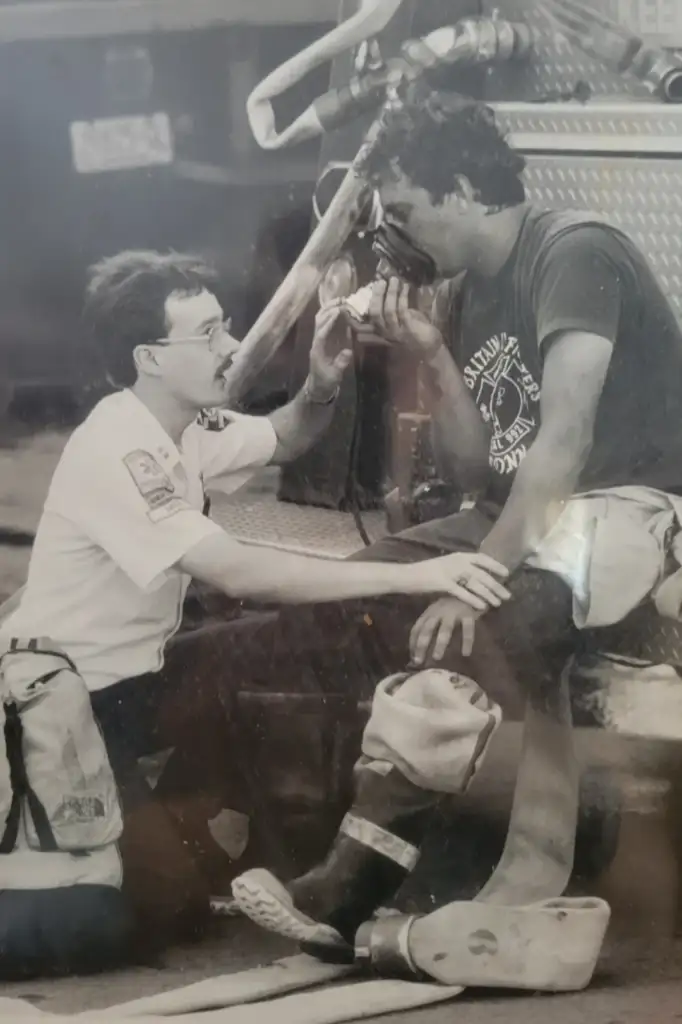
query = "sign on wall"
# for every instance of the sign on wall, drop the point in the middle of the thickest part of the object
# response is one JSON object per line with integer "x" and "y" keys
{"x": 121, "y": 143}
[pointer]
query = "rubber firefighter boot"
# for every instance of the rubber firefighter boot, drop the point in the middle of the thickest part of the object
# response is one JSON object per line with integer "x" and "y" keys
{"x": 376, "y": 847}
{"x": 426, "y": 736}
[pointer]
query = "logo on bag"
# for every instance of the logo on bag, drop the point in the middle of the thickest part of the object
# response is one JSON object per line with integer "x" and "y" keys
{"x": 482, "y": 942}
{"x": 80, "y": 808}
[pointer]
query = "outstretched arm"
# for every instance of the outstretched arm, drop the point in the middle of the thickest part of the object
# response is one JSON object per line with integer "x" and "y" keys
{"x": 263, "y": 574}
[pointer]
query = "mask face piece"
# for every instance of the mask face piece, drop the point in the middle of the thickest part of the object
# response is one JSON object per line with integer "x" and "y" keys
{"x": 398, "y": 255}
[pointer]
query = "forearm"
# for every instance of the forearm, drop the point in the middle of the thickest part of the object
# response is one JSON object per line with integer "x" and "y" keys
{"x": 545, "y": 480}
{"x": 461, "y": 438}
{"x": 301, "y": 422}
{"x": 280, "y": 577}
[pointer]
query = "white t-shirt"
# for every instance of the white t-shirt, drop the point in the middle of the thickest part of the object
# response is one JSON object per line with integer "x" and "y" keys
{"x": 125, "y": 504}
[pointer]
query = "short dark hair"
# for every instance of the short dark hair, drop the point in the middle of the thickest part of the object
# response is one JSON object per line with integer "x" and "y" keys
{"x": 436, "y": 138}
{"x": 125, "y": 304}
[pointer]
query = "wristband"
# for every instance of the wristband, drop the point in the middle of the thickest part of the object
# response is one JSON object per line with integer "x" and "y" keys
{"x": 309, "y": 397}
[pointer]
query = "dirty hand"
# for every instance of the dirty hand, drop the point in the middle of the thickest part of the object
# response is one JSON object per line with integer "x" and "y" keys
{"x": 330, "y": 356}
{"x": 469, "y": 576}
{"x": 391, "y": 317}
{"x": 438, "y": 623}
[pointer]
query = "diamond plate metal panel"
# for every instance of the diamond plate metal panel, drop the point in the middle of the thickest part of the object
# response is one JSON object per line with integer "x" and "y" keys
{"x": 262, "y": 519}
{"x": 642, "y": 197}
{"x": 556, "y": 65}
{"x": 644, "y": 635}
{"x": 624, "y": 128}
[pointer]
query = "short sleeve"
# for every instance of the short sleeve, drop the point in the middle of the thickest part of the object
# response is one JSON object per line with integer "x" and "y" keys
{"x": 579, "y": 286}
{"x": 230, "y": 446}
{"x": 128, "y": 506}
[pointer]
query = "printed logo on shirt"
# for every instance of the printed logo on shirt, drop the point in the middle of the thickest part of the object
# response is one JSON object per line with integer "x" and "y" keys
{"x": 154, "y": 484}
{"x": 507, "y": 396}
{"x": 215, "y": 419}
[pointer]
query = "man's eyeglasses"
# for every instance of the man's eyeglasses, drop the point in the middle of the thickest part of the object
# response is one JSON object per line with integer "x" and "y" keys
{"x": 211, "y": 338}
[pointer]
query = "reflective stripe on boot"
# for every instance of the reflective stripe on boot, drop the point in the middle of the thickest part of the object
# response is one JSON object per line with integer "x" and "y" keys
{"x": 269, "y": 904}
{"x": 405, "y": 855}
{"x": 376, "y": 847}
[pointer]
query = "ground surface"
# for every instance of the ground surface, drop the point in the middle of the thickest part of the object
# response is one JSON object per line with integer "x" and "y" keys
{"x": 632, "y": 987}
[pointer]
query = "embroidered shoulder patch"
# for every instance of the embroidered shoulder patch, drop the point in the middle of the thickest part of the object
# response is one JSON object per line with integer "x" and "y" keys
{"x": 215, "y": 419}
{"x": 154, "y": 484}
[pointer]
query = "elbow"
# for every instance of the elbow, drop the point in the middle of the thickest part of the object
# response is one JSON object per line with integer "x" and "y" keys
{"x": 289, "y": 451}
{"x": 574, "y": 451}
{"x": 473, "y": 475}
{"x": 558, "y": 462}
{"x": 469, "y": 471}
{"x": 240, "y": 582}
{"x": 223, "y": 564}
{"x": 472, "y": 468}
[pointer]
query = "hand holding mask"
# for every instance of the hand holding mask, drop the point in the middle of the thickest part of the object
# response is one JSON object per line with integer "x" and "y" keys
{"x": 393, "y": 319}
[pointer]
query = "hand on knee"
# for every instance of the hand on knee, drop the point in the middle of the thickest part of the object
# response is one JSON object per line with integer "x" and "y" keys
{"x": 435, "y": 629}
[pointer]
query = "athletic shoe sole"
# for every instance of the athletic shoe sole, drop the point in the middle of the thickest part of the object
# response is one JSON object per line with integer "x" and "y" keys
{"x": 263, "y": 899}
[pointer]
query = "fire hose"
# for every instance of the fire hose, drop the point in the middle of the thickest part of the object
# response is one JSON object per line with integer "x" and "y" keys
{"x": 470, "y": 41}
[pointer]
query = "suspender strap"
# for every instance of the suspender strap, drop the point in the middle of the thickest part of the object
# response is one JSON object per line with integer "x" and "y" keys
{"x": 35, "y": 645}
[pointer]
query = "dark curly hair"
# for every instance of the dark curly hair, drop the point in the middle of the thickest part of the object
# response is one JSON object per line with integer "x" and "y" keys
{"x": 125, "y": 302}
{"x": 435, "y": 138}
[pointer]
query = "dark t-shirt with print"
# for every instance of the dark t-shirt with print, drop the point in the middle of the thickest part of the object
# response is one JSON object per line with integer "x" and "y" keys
{"x": 574, "y": 272}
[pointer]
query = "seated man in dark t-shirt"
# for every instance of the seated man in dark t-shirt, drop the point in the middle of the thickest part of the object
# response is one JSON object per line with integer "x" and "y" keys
{"x": 559, "y": 371}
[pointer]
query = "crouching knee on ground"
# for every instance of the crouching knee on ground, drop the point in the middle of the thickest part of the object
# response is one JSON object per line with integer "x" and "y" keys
{"x": 62, "y": 909}
{"x": 78, "y": 923}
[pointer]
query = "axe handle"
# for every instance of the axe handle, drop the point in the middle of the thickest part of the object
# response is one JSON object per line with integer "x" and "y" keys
{"x": 299, "y": 286}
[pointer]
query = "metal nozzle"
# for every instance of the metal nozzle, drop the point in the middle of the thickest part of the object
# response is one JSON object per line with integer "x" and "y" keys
{"x": 661, "y": 72}
{"x": 383, "y": 947}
